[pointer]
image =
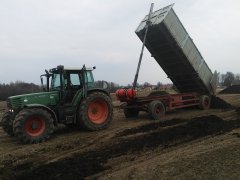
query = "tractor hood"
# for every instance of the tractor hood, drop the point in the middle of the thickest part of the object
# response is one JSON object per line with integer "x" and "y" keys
{"x": 43, "y": 98}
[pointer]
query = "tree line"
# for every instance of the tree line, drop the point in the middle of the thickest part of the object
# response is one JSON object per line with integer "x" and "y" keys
{"x": 20, "y": 87}
{"x": 229, "y": 79}
{"x": 17, "y": 88}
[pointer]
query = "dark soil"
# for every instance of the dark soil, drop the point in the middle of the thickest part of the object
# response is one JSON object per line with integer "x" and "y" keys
{"x": 218, "y": 103}
{"x": 130, "y": 141}
{"x": 234, "y": 89}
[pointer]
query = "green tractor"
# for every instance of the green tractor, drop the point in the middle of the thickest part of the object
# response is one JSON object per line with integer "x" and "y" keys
{"x": 70, "y": 97}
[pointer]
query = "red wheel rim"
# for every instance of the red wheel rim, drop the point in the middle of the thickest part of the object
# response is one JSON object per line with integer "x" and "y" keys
{"x": 98, "y": 111}
{"x": 159, "y": 111}
{"x": 206, "y": 103}
{"x": 35, "y": 126}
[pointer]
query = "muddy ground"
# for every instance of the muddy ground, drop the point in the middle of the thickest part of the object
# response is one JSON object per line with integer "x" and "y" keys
{"x": 188, "y": 144}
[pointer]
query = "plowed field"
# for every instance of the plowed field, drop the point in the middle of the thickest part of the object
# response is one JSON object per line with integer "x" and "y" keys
{"x": 187, "y": 144}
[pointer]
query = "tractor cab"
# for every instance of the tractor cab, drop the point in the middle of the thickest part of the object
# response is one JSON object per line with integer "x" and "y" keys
{"x": 60, "y": 78}
{"x": 68, "y": 81}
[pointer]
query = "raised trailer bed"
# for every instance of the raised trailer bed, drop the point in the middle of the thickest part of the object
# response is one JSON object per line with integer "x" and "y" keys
{"x": 174, "y": 50}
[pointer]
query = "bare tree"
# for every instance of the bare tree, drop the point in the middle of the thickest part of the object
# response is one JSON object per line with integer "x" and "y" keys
{"x": 229, "y": 78}
{"x": 146, "y": 84}
{"x": 17, "y": 88}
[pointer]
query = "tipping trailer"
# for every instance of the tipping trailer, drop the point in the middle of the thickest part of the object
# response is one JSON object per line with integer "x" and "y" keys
{"x": 171, "y": 46}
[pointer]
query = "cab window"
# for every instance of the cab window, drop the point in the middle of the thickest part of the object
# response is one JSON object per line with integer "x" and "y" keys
{"x": 55, "y": 82}
{"x": 89, "y": 77}
{"x": 75, "y": 80}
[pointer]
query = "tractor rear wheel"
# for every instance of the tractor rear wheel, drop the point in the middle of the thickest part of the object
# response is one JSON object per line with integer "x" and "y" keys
{"x": 33, "y": 125}
{"x": 156, "y": 109}
{"x": 204, "y": 102}
{"x": 130, "y": 113}
{"x": 95, "y": 111}
{"x": 7, "y": 123}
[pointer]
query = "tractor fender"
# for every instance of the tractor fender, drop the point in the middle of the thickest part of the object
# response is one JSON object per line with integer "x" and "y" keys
{"x": 98, "y": 90}
{"x": 47, "y": 109}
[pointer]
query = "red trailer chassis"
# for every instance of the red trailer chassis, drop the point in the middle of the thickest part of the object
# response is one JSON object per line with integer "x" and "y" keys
{"x": 156, "y": 106}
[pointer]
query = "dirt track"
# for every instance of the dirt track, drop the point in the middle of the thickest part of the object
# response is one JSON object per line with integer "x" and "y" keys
{"x": 189, "y": 143}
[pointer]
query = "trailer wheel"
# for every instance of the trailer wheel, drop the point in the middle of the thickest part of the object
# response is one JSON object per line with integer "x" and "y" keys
{"x": 7, "y": 123}
{"x": 204, "y": 102}
{"x": 33, "y": 125}
{"x": 156, "y": 110}
{"x": 130, "y": 113}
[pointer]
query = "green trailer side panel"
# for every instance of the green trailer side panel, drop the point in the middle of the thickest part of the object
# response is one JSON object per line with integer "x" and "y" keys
{"x": 175, "y": 51}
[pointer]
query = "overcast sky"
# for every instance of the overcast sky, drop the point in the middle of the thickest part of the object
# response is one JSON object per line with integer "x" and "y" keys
{"x": 41, "y": 34}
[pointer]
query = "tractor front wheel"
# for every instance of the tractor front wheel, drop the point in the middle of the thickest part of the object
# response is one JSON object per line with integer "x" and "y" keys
{"x": 95, "y": 111}
{"x": 33, "y": 125}
{"x": 7, "y": 123}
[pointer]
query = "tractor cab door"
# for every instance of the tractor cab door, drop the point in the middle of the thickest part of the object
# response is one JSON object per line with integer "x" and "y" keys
{"x": 72, "y": 84}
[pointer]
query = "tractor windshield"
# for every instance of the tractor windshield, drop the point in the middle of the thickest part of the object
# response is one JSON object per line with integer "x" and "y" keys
{"x": 56, "y": 82}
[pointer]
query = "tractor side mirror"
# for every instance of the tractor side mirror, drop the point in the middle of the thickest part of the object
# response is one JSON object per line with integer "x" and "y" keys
{"x": 105, "y": 85}
{"x": 46, "y": 71}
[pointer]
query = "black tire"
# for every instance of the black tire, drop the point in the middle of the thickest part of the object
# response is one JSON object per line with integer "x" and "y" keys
{"x": 95, "y": 111}
{"x": 23, "y": 125}
{"x": 130, "y": 113}
{"x": 7, "y": 123}
{"x": 156, "y": 110}
{"x": 204, "y": 102}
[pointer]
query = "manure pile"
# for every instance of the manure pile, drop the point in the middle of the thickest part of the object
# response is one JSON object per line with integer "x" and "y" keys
{"x": 235, "y": 89}
{"x": 218, "y": 103}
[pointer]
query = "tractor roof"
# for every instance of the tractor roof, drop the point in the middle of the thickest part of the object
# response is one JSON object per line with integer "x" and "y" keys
{"x": 76, "y": 69}
{"x": 70, "y": 68}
